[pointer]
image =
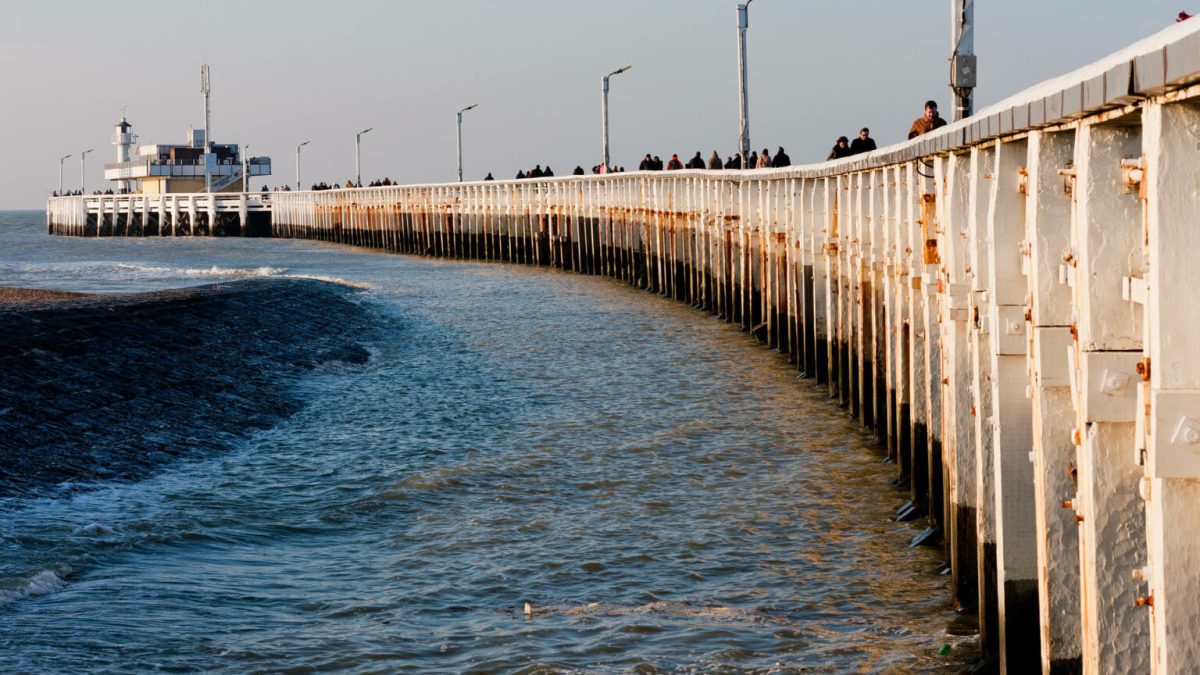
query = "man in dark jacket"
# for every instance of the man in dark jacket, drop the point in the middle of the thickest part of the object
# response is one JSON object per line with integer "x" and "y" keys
{"x": 864, "y": 142}
{"x": 520, "y": 175}
{"x": 927, "y": 122}
{"x": 647, "y": 163}
{"x": 658, "y": 163}
{"x": 578, "y": 171}
{"x": 840, "y": 149}
{"x": 696, "y": 162}
{"x": 536, "y": 172}
{"x": 781, "y": 159}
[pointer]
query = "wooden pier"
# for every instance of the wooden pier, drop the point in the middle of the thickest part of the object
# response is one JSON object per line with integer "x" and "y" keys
{"x": 1008, "y": 304}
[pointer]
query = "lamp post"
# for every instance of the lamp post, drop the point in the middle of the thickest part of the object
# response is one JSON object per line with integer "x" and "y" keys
{"x": 962, "y": 57}
{"x": 298, "y": 162}
{"x": 460, "y": 112}
{"x": 743, "y": 12}
{"x": 245, "y": 168}
{"x": 82, "y": 162}
{"x": 604, "y": 111}
{"x": 60, "y": 166}
{"x": 357, "y": 156}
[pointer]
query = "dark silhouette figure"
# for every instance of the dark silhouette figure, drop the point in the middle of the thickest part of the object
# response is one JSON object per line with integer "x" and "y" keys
{"x": 520, "y": 175}
{"x": 840, "y": 149}
{"x": 548, "y": 172}
{"x": 781, "y": 159}
{"x": 864, "y": 142}
{"x": 578, "y": 171}
{"x": 647, "y": 163}
{"x": 489, "y": 176}
{"x": 658, "y": 163}
{"x": 696, "y": 162}
{"x": 536, "y": 172}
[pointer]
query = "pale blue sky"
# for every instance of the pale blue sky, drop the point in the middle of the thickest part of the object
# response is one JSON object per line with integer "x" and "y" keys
{"x": 284, "y": 72}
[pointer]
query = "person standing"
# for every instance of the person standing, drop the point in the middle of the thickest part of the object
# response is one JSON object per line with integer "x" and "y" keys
{"x": 781, "y": 159}
{"x": 674, "y": 164}
{"x": 840, "y": 149}
{"x": 764, "y": 160}
{"x": 864, "y": 142}
{"x": 696, "y": 162}
{"x": 714, "y": 161}
{"x": 927, "y": 122}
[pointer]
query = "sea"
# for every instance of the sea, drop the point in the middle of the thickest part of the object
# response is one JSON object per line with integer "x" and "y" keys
{"x": 527, "y": 471}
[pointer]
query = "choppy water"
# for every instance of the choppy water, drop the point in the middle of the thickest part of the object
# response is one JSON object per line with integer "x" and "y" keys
{"x": 663, "y": 491}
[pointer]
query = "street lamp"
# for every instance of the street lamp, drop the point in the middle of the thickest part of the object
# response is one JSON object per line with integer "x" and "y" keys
{"x": 82, "y": 160}
{"x": 460, "y": 112}
{"x": 743, "y": 12}
{"x": 298, "y": 162}
{"x": 357, "y": 155}
{"x": 245, "y": 168}
{"x": 604, "y": 111}
{"x": 60, "y": 166}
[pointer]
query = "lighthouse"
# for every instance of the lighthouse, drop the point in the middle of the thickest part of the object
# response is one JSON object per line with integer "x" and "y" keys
{"x": 123, "y": 138}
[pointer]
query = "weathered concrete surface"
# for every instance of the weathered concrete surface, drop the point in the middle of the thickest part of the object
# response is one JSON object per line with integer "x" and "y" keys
{"x": 110, "y": 386}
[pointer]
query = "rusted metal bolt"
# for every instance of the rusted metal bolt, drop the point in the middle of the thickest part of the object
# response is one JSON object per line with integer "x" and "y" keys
{"x": 1079, "y": 517}
{"x": 1145, "y": 601}
{"x": 1143, "y": 369}
{"x": 1066, "y": 504}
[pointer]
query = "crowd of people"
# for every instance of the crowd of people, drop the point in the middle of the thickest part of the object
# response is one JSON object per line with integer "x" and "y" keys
{"x": 79, "y": 193}
{"x": 843, "y": 147}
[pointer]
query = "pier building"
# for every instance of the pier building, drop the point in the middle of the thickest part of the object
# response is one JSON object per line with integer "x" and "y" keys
{"x": 1006, "y": 303}
{"x": 166, "y": 168}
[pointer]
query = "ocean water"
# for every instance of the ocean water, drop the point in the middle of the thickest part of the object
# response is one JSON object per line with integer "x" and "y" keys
{"x": 663, "y": 491}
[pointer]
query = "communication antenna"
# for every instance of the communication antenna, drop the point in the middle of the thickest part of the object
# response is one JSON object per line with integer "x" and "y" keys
{"x": 206, "y": 89}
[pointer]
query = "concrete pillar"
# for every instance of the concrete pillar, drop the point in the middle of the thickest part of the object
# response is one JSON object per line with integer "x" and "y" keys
{"x": 1016, "y": 547}
{"x": 1047, "y": 238}
{"x": 1108, "y": 239}
{"x": 1171, "y": 132}
{"x": 987, "y": 595}
{"x": 958, "y": 428}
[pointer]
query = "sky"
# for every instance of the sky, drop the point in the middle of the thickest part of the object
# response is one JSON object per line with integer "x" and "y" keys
{"x": 287, "y": 72}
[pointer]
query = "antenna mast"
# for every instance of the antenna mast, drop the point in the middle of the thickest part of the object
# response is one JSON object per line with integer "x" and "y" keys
{"x": 205, "y": 89}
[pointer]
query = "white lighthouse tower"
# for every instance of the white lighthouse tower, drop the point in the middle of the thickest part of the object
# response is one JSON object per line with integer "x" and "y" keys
{"x": 124, "y": 139}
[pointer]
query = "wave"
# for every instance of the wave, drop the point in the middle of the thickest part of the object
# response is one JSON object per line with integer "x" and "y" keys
{"x": 42, "y": 583}
{"x": 107, "y": 387}
{"x": 243, "y": 273}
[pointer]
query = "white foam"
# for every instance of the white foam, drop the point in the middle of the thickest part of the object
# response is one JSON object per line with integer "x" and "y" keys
{"x": 42, "y": 583}
{"x": 95, "y": 529}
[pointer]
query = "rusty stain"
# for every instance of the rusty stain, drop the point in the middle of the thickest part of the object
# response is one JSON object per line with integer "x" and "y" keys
{"x": 1143, "y": 369}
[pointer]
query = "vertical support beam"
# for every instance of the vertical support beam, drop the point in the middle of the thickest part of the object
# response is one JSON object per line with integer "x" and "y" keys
{"x": 1016, "y": 547}
{"x": 958, "y": 430}
{"x": 1047, "y": 238}
{"x": 1108, "y": 240}
{"x": 1171, "y": 132}
{"x": 983, "y": 160}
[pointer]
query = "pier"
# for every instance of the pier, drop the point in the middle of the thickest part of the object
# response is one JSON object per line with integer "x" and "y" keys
{"x": 1006, "y": 303}
{"x": 148, "y": 215}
